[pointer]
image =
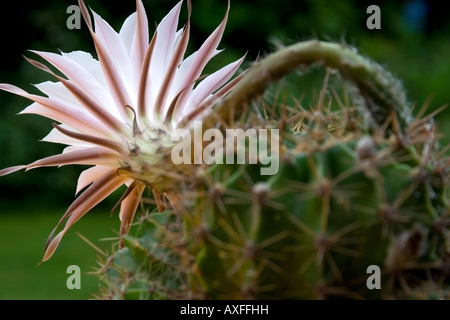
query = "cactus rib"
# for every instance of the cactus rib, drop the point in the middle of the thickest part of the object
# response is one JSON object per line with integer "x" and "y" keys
{"x": 382, "y": 92}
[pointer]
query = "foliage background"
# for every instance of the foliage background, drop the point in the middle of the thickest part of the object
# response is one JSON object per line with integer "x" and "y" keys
{"x": 413, "y": 43}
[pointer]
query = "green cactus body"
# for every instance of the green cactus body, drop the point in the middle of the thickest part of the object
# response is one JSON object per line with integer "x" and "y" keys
{"x": 314, "y": 239}
{"x": 348, "y": 195}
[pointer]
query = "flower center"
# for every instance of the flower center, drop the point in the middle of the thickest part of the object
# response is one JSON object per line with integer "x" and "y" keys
{"x": 149, "y": 160}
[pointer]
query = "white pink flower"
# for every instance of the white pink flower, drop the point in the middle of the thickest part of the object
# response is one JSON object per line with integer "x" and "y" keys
{"x": 115, "y": 112}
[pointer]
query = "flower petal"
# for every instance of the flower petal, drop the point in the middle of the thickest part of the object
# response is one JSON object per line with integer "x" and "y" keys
{"x": 128, "y": 209}
{"x": 127, "y": 31}
{"x": 116, "y": 57}
{"x": 209, "y": 102}
{"x": 210, "y": 84}
{"x": 200, "y": 58}
{"x": 166, "y": 30}
{"x": 90, "y": 175}
{"x": 141, "y": 37}
{"x": 98, "y": 191}
{"x": 145, "y": 96}
{"x": 56, "y": 136}
{"x": 57, "y": 111}
{"x": 85, "y": 156}
{"x": 81, "y": 78}
{"x": 164, "y": 90}
{"x": 112, "y": 74}
{"x": 9, "y": 170}
{"x": 106, "y": 143}
{"x": 93, "y": 106}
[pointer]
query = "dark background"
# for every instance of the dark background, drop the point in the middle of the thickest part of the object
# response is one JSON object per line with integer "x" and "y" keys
{"x": 413, "y": 43}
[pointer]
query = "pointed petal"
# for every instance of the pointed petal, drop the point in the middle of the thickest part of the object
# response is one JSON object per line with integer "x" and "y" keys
{"x": 145, "y": 97}
{"x": 90, "y": 175}
{"x": 57, "y": 92}
{"x": 85, "y": 13}
{"x": 127, "y": 31}
{"x": 130, "y": 188}
{"x": 168, "y": 120}
{"x": 82, "y": 79}
{"x": 210, "y": 84}
{"x": 98, "y": 191}
{"x": 117, "y": 88}
{"x": 133, "y": 198}
{"x": 128, "y": 209}
{"x": 57, "y": 111}
{"x": 86, "y": 61}
{"x": 209, "y": 102}
{"x": 112, "y": 75}
{"x": 113, "y": 44}
{"x": 56, "y": 136}
{"x": 52, "y": 245}
{"x": 9, "y": 170}
{"x": 73, "y": 118}
{"x": 87, "y": 156}
{"x": 164, "y": 45}
{"x": 200, "y": 58}
{"x": 86, "y": 100}
{"x": 177, "y": 57}
{"x": 141, "y": 36}
{"x": 74, "y": 148}
{"x": 106, "y": 143}
{"x": 115, "y": 56}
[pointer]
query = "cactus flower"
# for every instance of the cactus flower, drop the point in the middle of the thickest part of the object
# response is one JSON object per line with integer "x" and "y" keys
{"x": 116, "y": 112}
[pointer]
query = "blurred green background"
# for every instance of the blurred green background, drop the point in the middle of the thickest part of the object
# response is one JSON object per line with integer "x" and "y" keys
{"x": 413, "y": 43}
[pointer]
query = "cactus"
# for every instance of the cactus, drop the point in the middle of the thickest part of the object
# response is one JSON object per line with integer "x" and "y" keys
{"x": 361, "y": 187}
{"x": 343, "y": 196}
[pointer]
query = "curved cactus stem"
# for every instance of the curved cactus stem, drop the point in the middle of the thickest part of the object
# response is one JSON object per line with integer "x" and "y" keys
{"x": 382, "y": 92}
